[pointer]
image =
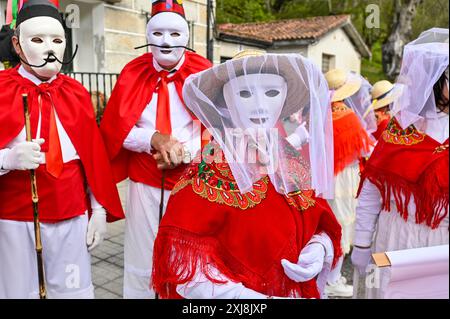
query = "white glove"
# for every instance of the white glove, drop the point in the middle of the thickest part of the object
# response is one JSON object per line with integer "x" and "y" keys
{"x": 361, "y": 258}
{"x": 96, "y": 228}
{"x": 24, "y": 156}
{"x": 299, "y": 137}
{"x": 309, "y": 265}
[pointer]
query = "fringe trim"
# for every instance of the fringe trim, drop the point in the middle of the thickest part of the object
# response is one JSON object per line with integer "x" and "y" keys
{"x": 430, "y": 198}
{"x": 179, "y": 254}
{"x": 351, "y": 141}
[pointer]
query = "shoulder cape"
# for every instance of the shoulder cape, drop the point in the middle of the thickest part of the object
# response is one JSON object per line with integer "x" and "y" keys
{"x": 132, "y": 93}
{"x": 351, "y": 141}
{"x": 74, "y": 107}
{"x": 409, "y": 165}
{"x": 208, "y": 222}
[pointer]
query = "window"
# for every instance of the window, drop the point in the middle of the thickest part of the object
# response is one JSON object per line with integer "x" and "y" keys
{"x": 2, "y": 12}
{"x": 328, "y": 62}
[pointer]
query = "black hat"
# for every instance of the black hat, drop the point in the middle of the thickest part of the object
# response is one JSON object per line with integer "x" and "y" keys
{"x": 39, "y": 8}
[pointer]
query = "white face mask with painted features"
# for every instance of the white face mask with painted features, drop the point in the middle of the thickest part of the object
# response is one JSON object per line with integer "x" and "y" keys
{"x": 40, "y": 36}
{"x": 168, "y": 29}
{"x": 255, "y": 100}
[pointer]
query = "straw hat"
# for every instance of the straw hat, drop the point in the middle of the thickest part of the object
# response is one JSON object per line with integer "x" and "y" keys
{"x": 211, "y": 82}
{"x": 380, "y": 94}
{"x": 344, "y": 84}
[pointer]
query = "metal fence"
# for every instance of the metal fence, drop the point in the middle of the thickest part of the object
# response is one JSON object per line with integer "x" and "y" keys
{"x": 99, "y": 85}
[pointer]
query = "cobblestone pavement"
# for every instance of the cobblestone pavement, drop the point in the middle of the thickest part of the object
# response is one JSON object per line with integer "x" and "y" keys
{"x": 107, "y": 260}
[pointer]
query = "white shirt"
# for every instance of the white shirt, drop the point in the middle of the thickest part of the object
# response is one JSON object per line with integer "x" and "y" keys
{"x": 184, "y": 129}
{"x": 68, "y": 150}
{"x": 369, "y": 203}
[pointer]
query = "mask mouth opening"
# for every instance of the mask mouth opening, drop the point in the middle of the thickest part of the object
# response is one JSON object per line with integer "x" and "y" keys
{"x": 166, "y": 51}
{"x": 259, "y": 120}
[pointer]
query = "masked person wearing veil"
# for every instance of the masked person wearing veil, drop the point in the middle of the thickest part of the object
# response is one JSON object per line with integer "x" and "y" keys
{"x": 146, "y": 120}
{"x": 72, "y": 169}
{"x": 404, "y": 191}
{"x": 351, "y": 143}
{"x": 248, "y": 218}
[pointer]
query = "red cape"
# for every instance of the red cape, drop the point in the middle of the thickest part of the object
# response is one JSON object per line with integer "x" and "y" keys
{"x": 74, "y": 107}
{"x": 409, "y": 165}
{"x": 208, "y": 222}
{"x": 132, "y": 93}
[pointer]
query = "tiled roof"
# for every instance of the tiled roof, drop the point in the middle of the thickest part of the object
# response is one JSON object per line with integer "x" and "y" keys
{"x": 283, "y": 30}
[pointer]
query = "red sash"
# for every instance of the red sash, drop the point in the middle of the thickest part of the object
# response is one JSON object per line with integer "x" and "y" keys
{"x": 59, "y": 198}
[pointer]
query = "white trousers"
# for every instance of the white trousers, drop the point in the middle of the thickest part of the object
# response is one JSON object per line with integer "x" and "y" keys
{"x": 141, "y": 226}
{"x": 344, "y": 203}
{"x": 67, "y": 262}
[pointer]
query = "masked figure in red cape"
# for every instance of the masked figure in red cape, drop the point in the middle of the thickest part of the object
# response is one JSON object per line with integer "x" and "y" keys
{"x": 404, "y": 191}
{"x": 73, "y": 173}
{"x": 244, "y": 221}
{"x": 146, "y": 120}
{"x": 352, "y": 142}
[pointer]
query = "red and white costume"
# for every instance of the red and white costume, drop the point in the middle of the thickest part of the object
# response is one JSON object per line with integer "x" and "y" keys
{"x": 63, "y": 202}
{"x": 128, "y": 125}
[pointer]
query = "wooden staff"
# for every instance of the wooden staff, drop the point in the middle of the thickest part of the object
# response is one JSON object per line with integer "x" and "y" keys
{"x": 35, "y": 200}
{"x": 161, "y": 206}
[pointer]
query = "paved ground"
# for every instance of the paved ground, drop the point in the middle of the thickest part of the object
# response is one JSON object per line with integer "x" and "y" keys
{"x": 107, "y": 261}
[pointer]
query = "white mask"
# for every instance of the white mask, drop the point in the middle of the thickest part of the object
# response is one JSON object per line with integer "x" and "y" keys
{"x": 168, "y": 29}
{"x": 255, "y": 100}
{"x": 38, "y": 37}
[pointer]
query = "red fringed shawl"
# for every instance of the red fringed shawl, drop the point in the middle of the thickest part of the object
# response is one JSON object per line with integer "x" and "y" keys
{"x": 351, "y": 141}
{"x": 409, "y": 165}
{"x": 245, "y": 236}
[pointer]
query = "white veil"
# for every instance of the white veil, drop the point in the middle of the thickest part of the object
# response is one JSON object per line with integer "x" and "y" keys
{"x": 361, "y": 103}
{"x": 424, "y": 61}
{"x": 295, "y": 157}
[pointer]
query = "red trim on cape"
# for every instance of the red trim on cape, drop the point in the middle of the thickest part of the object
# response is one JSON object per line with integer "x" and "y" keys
{"x": 132, "y": 93}
{"x": 73, "y": 104}
{"x": 246, "y": 244}
{"x": 351, "y": 141}
{"x": 408, "y": 165}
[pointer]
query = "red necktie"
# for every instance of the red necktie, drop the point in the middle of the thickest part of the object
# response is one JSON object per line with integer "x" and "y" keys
{"x": 49, "y": 132}
{"x": 163, "y": 124}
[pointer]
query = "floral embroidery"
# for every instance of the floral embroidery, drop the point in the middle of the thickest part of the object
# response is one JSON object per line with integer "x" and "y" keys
{"x": 215, "y": 183}
{"x": 394, "y": 134}
{"x": 302, "y": 200}
{"x": 441, "y": 148}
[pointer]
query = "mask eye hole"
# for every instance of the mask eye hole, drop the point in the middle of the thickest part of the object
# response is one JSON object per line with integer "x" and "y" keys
{"x": 37, "y": 40}
{"x": 272, "y": 93}
{"x": 58, "y": 41}
{"x": 157, "y": 34}
{"x": 245, "y": 94}
{"x": 175, "y": 34}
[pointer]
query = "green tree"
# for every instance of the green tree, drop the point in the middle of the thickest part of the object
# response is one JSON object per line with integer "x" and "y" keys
{"x": 430, "y": 13}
